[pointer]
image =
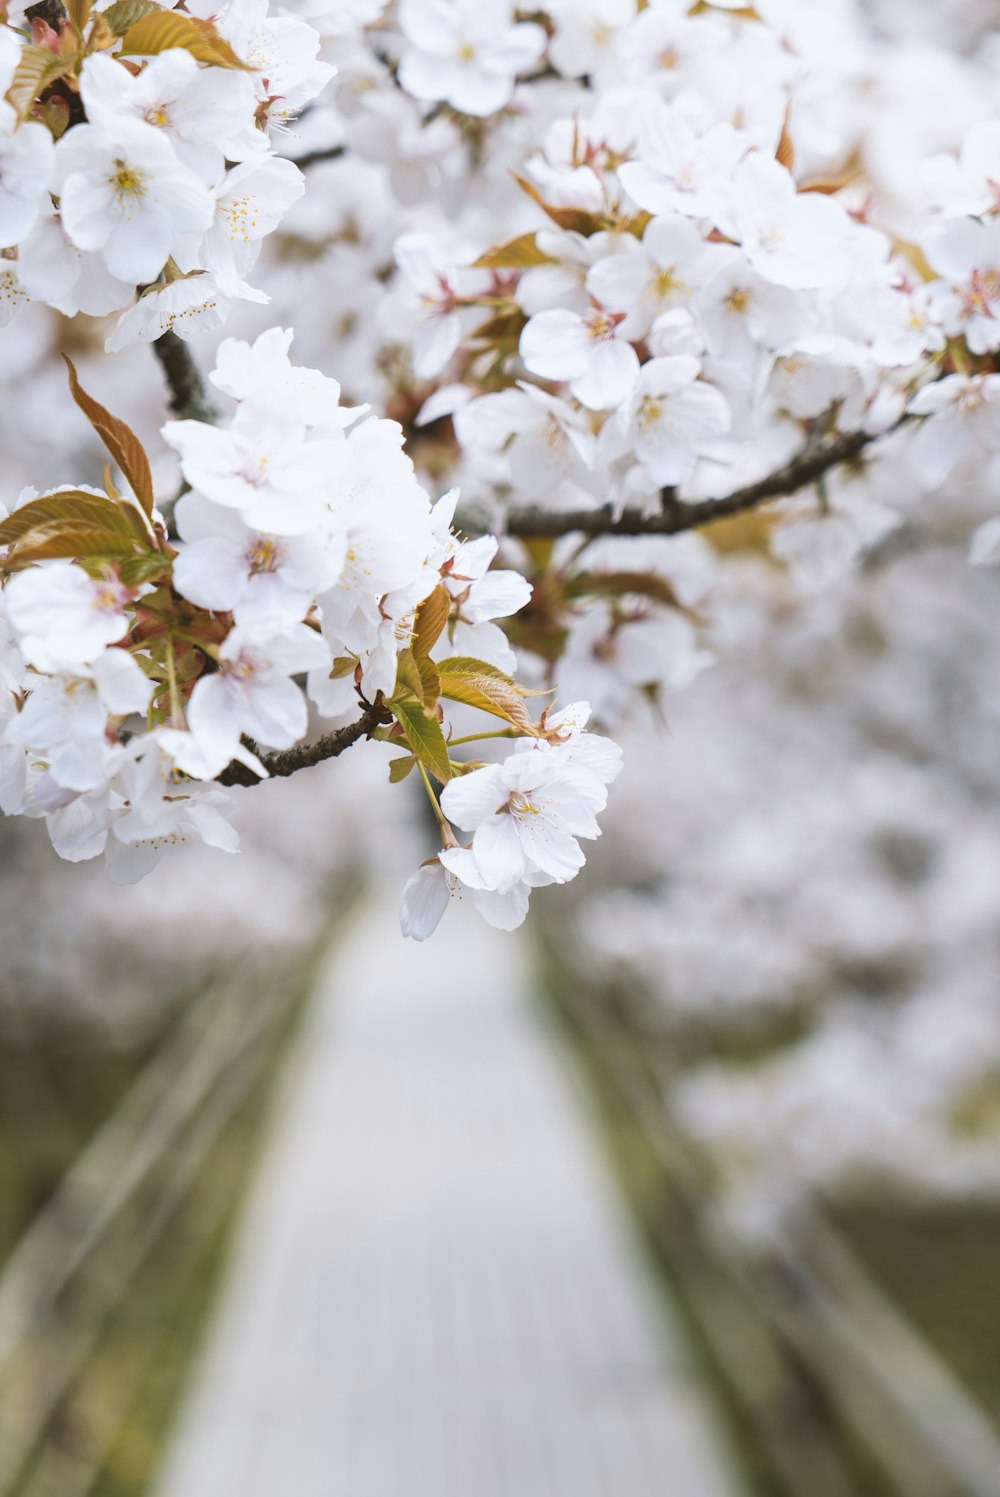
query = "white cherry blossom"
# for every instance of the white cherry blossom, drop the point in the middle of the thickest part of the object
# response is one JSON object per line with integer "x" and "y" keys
{"x": 793, "y": 239}
{"x": 673, "y": 417}
{"x": 969, "y": 185}
{"x": 526, "y": 815}
{"x": 678, "y": 170}
{"x": 228, "y": 566}
{"x": 589, "y": 352}
{"x": 966, "y": 252}
{"x": 203, "y": 111}
{"x": 64, "y": 719}
{"x": 126, "y": 195}
{"x": 261, "y": 465}
{"x": 465, "y": 53}
{"x": 653, "y": 276}
{"x": 64, "y": 618}
{"x": 27, "y": 160}
{"x": 252, "y": 691}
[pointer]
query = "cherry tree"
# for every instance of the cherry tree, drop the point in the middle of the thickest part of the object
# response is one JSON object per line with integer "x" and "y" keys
{"x": 606, "y": 274}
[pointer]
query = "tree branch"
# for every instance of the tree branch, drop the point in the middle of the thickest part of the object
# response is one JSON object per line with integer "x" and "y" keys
{"x": 285, "y": 762}
{"x": 677, "y": 515}
{"x": 188, "y": 398}
{"x": 323, "y": 153}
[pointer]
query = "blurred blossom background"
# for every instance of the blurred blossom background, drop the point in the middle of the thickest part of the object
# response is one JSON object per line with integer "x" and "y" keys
{"x": 775, "y": 985}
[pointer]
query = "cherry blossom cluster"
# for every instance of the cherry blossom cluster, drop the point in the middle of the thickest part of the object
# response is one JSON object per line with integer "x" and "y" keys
{"x": 311, "y": 566}
{"x": 136, "y": 153}
{"x": 717, "y": 266}
{"x": 603, "y": 261}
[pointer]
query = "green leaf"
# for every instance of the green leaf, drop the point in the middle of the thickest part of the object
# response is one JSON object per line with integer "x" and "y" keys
{"x": 419, "y": 677}
{"x": 432, "y": 615}
{"x": 119, "y": 439}
{"x": 408, "y": 676}
{"x": 423, "y": 734}
{"x": 516, "y": 254}
{"x": 125, "y": 13}
{"x": 154, "y": 567}
{"x": 37, "y": 67}
{"x": 159, "y": 32}
{"x": 400, "y": 768}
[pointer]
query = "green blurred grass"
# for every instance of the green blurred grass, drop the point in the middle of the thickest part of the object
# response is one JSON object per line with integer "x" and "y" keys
{"x": 107, "y": 1436}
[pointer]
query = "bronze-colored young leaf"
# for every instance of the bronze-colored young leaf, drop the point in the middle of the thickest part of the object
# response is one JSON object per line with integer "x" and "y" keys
{"x": 423, "y": 734}
{"x": 430, "y": 681}
{"x": 501, "y": 327}
{"x": 344, "y": 665}
{"x": 168, "y": 28}
{"x": 119, "y": 439}
{"x": 70, "y": 542}
{"x": 124, "y": 14}
{"x": 516, "y": 254}
{"x": 432, "y": 615}
{"x": 785, "y": 154}
{"x": 400, "y": 768}
{"x": 79, "y": 13}
{"x": 69, "y": 507}
{"x": 489, "y": 695}
{"x": 579, "y": 220}
{"x": 37, "y": 67}
{"x": 469, "y": 665}
{"x": 620, "y": 584}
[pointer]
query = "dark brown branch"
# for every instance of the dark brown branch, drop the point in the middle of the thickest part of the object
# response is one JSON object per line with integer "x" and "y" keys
{"x": 323, "y": 153}
{"x": 677, "y": 515}
{"x": 188, "y": 399}
{"x": 285, "y": 762}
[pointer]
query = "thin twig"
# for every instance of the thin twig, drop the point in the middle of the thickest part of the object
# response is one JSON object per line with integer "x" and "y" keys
{"x": 322, "y": 153}
{"x": 677, "y": 515}
{"x": 285, "y": 762}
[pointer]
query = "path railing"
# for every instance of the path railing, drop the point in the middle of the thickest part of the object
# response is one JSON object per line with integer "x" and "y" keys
{"x": 79, "y": 1258}
{"x": 814, "y": 1356}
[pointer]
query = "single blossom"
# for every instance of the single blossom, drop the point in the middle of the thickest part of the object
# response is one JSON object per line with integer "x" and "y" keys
{"x": 465, "y": 53}
{"x": 793, "y": 239}
{"x": 526, "y": 815}
{"x": 590, "y": 352}
{"x": 62, "y": 617}
{"x": 125, "y": 194}
{"x": 252, "y": 691}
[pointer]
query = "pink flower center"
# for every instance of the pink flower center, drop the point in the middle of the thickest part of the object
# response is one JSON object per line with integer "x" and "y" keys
{"x": 982, "y": 292}
{"x": 601, "y": 325}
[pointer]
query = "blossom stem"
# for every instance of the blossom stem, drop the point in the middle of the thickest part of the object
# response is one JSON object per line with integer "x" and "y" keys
{"x": 477, "y": 737}
{"x": 447, "y": 835}
{"x": 175, "y": 695}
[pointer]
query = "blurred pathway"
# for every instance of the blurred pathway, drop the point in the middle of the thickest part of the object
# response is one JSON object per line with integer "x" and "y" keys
{"x": 435, "y": 1294}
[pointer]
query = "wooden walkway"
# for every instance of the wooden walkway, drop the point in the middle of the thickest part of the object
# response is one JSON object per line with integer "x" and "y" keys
{"x": 435, "y": 1293}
